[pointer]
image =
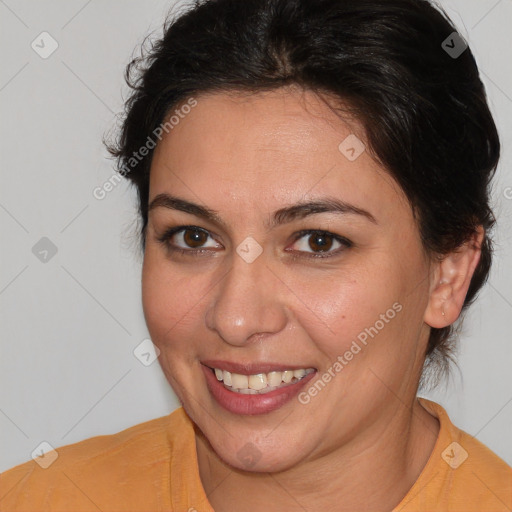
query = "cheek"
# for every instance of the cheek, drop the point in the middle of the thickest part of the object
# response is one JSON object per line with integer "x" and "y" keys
{"x": 174, "y": 300}
{"x": 165, "y": 298}
{"x": 154, "y": 297}
{"x": 168, "y": 305}
{"x": 341, "y": 305}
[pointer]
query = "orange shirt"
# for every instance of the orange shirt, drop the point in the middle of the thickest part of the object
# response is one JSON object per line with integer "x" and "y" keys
{"x": 153, "y": 467}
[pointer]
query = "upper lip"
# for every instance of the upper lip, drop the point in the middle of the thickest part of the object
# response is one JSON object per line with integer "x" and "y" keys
{"x": 252, "y": 368}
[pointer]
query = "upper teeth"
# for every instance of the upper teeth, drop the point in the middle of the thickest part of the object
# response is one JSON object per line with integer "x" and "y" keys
{"x": 260, "y": 382}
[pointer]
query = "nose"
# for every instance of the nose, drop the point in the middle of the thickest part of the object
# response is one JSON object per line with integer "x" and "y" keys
{"x": 246, "y": 303}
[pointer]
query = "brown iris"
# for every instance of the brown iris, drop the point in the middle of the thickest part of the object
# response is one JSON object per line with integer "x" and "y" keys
{"x": 194, "y": 237}
{"x": 321, "y": 242}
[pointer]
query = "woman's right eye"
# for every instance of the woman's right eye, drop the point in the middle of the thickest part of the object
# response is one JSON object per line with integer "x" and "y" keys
{"x": 191, "y": 238}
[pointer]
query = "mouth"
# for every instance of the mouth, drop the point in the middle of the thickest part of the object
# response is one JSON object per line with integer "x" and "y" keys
{"x": 259, "y": 383}
{"x": 254, "y": 389}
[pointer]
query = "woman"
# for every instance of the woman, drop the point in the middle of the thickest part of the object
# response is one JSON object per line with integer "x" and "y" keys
{"x": 314, "y": 195}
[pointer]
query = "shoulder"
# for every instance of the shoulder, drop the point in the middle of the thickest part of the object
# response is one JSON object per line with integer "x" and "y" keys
{"x": 460, "y": 449}
{"x": 99, "y": 470}
{"x": 461, "y": 474}
{"x": 483, "y": 470}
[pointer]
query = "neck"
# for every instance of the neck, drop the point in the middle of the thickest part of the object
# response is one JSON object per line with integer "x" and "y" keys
{"x": 373, "y": 472}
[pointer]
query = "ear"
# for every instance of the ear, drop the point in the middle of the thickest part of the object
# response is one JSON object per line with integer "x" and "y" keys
{"x": 452, "y": 277}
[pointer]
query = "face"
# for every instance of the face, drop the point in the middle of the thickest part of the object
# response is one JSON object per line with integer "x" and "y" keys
{"x": 257, "y": 285}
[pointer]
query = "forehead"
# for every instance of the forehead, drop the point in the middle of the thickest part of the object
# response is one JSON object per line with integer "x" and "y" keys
{"x": 267, "y": 148}
{"x": 289, "y": 121}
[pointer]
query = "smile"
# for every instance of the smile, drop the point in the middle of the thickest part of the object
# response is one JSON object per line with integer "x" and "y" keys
{"x": 260, "y": 383}
{"x": 260, "y": 389}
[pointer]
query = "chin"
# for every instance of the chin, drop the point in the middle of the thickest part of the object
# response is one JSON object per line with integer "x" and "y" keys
{"x": 257, "y": 454}
{"x": 256, "y": 461}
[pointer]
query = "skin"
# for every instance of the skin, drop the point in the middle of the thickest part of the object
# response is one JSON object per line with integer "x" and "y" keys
{"x": 361, "y": 443}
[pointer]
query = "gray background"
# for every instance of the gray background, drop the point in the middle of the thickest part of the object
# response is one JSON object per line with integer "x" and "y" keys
{"x": 69, "y": 325}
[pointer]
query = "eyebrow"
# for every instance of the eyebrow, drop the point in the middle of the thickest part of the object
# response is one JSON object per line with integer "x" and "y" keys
{"x": 284, "y": 215}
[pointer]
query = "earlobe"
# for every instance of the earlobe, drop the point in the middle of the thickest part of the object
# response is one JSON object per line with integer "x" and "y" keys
{"x": 452, "y": 277}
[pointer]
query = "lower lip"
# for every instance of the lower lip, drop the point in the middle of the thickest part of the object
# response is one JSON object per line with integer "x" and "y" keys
{"x": 239, "y": 403}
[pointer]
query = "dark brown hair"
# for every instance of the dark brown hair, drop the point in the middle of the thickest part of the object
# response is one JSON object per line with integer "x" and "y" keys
{"x": 423, "y": 107}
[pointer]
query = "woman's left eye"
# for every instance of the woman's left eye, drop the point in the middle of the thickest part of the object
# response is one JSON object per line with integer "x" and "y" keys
{"x": 321, "y": 243}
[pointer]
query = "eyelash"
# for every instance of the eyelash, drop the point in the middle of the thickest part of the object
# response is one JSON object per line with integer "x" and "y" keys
{"x": 165, "y": 240}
